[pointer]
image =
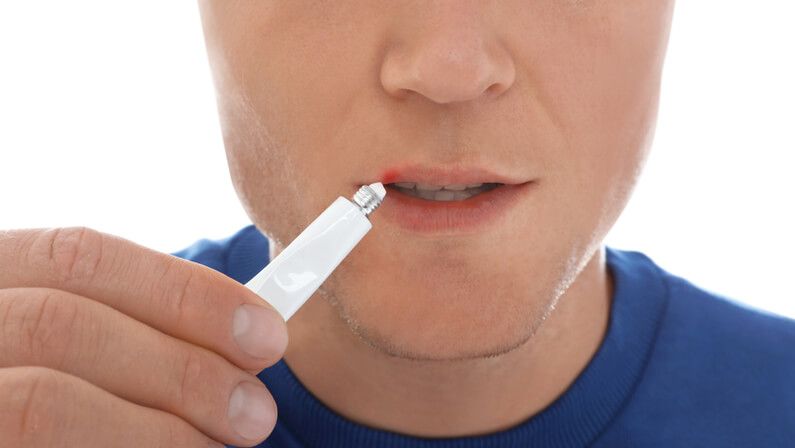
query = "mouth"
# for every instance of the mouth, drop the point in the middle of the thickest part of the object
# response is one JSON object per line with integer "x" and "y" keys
{"x": 443, "y": 193}
{"x": 429, "y": 202}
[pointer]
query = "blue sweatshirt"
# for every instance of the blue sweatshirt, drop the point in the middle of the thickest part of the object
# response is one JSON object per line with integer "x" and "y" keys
{"x": 679, "y": 367}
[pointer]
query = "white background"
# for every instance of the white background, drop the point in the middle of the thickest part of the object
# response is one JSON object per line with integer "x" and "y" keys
{"x": 107, "y": 119}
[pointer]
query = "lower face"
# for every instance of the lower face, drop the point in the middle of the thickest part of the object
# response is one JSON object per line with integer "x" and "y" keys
{"x": 309, "y": 114}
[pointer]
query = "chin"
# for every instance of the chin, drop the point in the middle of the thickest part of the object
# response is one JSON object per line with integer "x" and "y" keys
{"x": 450, "y": 321}
{"x": 452, "y": 303}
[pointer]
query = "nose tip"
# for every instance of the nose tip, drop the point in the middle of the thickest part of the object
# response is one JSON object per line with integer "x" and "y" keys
{"x": 450, "y": 65}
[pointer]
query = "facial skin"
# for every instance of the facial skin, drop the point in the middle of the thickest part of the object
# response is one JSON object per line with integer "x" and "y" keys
{"x": 317, "y": 98}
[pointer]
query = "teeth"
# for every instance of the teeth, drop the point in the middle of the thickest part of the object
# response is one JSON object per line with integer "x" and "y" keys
{"x": 428, "y": 187}
{"x": 443, "y": 193}
{"x": 455, "y": 187}
{"x": 431, "y": 187}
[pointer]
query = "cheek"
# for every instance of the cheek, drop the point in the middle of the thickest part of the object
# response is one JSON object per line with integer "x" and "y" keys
{"x": 294, "y": 144}
{"x": 278, "y": 113}
{"x": 261, "y": 169}
{"x": 605, "y": 85}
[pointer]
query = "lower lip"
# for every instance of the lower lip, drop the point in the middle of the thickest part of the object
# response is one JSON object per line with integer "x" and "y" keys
{"x": 451, "y": 218}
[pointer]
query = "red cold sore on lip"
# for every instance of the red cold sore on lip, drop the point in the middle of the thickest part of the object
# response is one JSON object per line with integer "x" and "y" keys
{"x": 389, "y": 176}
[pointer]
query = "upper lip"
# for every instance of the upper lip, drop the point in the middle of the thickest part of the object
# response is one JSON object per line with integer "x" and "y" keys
{"x": 437, "y": 175}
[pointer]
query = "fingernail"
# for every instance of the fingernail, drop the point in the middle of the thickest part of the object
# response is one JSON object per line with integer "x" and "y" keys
{"x": 259, "y": 332}
{"x": 252, "y": 412}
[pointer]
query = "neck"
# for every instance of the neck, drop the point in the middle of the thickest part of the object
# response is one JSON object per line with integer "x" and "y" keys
{"x": 451, "y": 398}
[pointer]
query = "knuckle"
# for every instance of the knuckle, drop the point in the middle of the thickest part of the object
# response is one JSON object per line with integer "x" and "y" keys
{"x": 200, "y": 380}
{"x": 193, "y": 368}
{"x": 180, "y": 286}
{"x": 198, "y": 390}
{"x": 31, "y": 412}
{"x": 171, "y": 432}
{"x": 38, "y": 325}
{"x": 72, "y": 253}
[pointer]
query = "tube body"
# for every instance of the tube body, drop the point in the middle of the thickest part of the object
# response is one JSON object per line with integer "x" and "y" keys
{"x": 294, "y": 275}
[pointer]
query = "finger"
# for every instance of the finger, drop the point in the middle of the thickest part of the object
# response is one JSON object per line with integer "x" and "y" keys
{"x": 84, "y": 338}
{"x": 177, "y": 297}
{"x": 44, "y": 407}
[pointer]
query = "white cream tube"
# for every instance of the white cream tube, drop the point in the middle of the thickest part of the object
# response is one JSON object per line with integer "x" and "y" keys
{"x": 297, "y": 272}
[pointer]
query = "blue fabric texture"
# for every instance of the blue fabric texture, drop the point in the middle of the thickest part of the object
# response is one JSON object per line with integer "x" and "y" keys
{"x": 679, "y": 367}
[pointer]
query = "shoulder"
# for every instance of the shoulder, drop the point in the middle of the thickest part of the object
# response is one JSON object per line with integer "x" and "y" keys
{"x": 739, "y": 344}
{"x": 720, "y": 374}
{"x": 239, "y": 256}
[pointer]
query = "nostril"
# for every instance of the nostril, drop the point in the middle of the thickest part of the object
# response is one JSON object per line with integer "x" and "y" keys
{"x": 454, "y": 63}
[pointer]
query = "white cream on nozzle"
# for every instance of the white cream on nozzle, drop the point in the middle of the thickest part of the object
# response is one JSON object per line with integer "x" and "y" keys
{"x": 379, "y": 189}
{"x": 297, "y": 272}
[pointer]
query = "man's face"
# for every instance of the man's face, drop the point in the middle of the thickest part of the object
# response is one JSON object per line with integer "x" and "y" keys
{"x": 556, "y": 97}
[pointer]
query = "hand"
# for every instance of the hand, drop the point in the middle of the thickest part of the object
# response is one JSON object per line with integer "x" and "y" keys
{"x": 106, "y": 343}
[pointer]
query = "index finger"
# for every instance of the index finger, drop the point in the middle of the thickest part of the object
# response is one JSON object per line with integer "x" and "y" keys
{"x": 178, "y": 297}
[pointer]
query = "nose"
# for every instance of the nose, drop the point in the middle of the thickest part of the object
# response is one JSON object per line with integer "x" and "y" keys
{"x": 451, "y": 56}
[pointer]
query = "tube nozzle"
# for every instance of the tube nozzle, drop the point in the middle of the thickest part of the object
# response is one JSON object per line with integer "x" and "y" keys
{"x": 369, "y": 197}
